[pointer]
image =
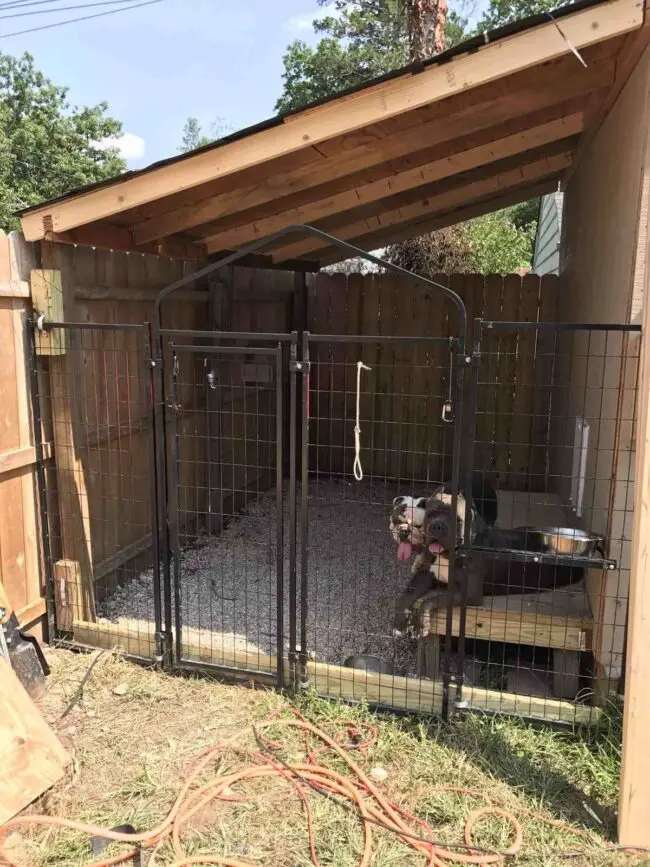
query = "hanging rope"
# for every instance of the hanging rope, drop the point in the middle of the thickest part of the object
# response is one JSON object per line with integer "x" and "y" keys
{"x": 357, "y": 469}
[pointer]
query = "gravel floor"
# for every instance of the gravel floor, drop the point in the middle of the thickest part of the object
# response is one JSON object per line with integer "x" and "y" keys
{"x": 228, "y": 583}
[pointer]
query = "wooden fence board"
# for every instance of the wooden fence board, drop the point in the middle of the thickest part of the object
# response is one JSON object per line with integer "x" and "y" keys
{"x": 407, "y": 438}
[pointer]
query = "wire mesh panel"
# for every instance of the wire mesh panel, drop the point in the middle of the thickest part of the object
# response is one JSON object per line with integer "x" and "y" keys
{"x": 93, "y": 412}
{"x": 548, "y": 585}
{"x": 224, "y": 420}
{"x": 380, "y": 424}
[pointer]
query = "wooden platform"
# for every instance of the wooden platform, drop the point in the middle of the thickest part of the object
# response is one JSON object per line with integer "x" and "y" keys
{"x": 559, "y": 619}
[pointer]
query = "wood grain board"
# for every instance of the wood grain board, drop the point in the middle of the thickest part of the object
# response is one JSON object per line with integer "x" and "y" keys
{"x": 412, "y": 694}
{"x": 31, "y": 756}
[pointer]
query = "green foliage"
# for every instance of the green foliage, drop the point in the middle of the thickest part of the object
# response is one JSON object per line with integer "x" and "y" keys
{"x": 47, "y": 146}
{"x": 498, "y": 246}
{"x": 367, "y": 38}
{"x": 500, "y": 12}
{"x": 193, "y": 136}
{"x": 525, "y": 213}
{"x": 492, "y": 244}
{"x": 364, "y": 39}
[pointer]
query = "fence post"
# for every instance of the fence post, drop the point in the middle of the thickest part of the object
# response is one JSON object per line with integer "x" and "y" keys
{"x": 74, "y": 596}
{"x": 634, "y": 799}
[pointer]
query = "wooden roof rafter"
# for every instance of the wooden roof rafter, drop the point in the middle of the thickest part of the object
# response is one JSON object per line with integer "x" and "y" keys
{"x": 396, "y": 154}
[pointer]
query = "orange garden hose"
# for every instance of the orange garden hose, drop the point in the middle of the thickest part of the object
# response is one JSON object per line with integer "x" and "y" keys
{"x": 357, "y": 789}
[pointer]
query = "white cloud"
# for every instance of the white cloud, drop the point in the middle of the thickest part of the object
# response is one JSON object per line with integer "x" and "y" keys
{"x": 130, "y": 146}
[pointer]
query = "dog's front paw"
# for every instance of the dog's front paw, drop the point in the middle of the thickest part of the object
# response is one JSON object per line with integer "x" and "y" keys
{"x": 419, "y": 564}
{"x": 401, "y": 624}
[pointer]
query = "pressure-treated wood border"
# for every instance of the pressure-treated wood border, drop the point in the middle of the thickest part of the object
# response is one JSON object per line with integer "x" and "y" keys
{"x": 417, "y": 696}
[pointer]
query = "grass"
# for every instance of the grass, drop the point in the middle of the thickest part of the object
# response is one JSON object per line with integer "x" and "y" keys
{"x": 131, "y": 751}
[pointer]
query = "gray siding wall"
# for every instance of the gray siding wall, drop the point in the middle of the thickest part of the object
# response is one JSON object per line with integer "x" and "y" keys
{"x": 546, "y": 258}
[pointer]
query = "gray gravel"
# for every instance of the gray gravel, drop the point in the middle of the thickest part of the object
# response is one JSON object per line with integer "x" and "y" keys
{"x": 228, "y": 584}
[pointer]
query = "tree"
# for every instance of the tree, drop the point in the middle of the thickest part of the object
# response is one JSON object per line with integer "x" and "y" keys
{"x": 446, "y": 251}
{"x": 47, "y": 146}
{"x": 491, "y": 244}
{"x": 364, "y": 39}
{"x": 500, "y": 12}
{"x": 427, "y": 22}
{"x": 194, "y": 138}
{"x": 367, "y": 38}
{"x": 498, "y": 246}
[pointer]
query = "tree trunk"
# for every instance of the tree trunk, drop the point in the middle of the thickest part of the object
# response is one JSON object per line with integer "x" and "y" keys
{"x": 426, "y": 22}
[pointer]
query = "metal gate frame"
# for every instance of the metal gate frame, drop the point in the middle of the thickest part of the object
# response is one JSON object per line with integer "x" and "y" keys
{"x": 167, "y": 438}
{"x": 298, "y": 365}
{"x": 452, "y": 675}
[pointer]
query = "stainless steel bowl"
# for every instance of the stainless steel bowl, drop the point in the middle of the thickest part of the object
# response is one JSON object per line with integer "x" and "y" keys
{"x": 569, "y": 541}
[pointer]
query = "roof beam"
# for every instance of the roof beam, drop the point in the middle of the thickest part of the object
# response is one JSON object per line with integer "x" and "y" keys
{"x": 372, "y": 159}
{"x": 346, "y": 114}
{"x": 374, "y": 240}
{"x": 457, "y": 196}
{"x": 520, "y": 142}
{"x": 109, "y": 237}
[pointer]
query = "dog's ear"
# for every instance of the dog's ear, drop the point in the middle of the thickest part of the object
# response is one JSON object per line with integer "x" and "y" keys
{"x": 420, "y": 503}
{"x": 398, "y": 501}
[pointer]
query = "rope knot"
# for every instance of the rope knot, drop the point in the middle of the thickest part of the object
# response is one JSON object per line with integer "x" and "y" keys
{"x": 357, "y": 468}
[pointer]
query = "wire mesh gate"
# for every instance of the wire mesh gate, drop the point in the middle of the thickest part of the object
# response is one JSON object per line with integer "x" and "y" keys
{"x": 221, "y": 428}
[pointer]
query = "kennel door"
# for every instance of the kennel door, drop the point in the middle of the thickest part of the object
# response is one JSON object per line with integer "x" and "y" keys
{"x": 224, "y": 452}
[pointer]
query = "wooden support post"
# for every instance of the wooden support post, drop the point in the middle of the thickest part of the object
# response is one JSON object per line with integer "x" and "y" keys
{"x": 68, "y": 599}
{"x": 428, "y": 663}
{"x": 47, "y": 298}
{"x": 634, "y": 800}
{"x": 75, "y": 567}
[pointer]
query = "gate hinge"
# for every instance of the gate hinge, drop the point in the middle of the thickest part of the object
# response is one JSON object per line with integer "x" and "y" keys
{"x": 163, "y": 655}
{"x": 300, "y": 366}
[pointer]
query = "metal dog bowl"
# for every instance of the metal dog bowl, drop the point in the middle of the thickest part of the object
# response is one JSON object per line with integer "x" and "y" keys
{"x": 368, "y": 663}
{"x": 569, "y": 541}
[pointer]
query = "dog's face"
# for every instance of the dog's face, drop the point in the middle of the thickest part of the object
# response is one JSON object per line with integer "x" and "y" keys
{"x": 442, "y": 529}
{"x": 407, "y": 524}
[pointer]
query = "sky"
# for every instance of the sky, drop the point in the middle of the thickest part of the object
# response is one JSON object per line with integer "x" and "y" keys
{"x": 217, "y": 60}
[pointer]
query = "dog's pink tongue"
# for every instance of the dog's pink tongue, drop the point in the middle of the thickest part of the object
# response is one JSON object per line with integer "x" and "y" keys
{"x": 436, "y": 548}
{"x": 404, "y": 550}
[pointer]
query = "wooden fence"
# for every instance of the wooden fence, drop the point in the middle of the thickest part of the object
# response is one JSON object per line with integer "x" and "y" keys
{"x": 402, "y": 395}
{"x": 20, "y": 567}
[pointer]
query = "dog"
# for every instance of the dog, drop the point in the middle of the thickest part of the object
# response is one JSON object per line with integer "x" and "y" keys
{"x": 406, "y": 522}
{"x": 481, "y": 573}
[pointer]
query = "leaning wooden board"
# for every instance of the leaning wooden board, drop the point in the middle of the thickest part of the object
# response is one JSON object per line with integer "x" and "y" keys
{"x": 31, "y": 756}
